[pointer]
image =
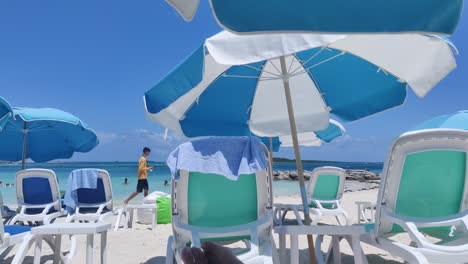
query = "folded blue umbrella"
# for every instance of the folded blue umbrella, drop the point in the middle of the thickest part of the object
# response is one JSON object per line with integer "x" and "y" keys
{"x": 44, "y": 134}
{"x": 5, "y": 112}
{"x": 457, "y": 120}
{"x": 331, "y": 16}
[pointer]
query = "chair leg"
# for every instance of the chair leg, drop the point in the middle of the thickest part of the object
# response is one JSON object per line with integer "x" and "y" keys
{"x": 282, "y": 248}
{"x": 38, "y": 251}
{"x": 170, "y": 251}
{"x": 336, "y": 250}
{"x": 104, "y": 247}
{"x": 89, "y": 248}
{"x": 57, "y": 249}
{"x": 23, "y": 249}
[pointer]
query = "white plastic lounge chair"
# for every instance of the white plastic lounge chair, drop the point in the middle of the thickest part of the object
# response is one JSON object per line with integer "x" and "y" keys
{"x": 212, "y": 207}
{"x": 94, "y": 205}
{"x": 324, "y": 192}
{"x": 38, "y": 197}
{"x": 424, "y": 194}
{"x": 7, "y": 213}
{"x": 11, "y": 235}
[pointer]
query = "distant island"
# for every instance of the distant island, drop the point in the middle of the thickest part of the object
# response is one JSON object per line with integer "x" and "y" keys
{"x": 318, "y": 161}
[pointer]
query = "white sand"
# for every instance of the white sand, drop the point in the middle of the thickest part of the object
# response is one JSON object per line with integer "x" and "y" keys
{"x": 142, "y": 245}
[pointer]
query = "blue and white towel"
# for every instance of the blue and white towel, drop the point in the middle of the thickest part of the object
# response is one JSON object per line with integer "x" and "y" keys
{"x": 229, "y": 157}
{"x": 82, "y": 178}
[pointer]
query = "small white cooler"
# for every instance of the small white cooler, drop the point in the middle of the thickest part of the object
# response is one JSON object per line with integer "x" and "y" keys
{"x": 144, "y": 215}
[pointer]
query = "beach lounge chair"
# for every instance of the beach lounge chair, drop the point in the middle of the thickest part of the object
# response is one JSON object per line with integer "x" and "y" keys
{"x": 212, "y": 207}
{"x": 5, "y": 211}
{"x": 324, "y": 192}
{"x": 424, "y": 194}
{"x": 10, "y": 236}
{"x": 93, "y": 205}
{"x": 38, "y": 197}
{"x": 20, "y": 235}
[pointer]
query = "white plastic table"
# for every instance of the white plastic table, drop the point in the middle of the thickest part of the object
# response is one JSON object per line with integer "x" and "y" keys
{"x": 88, "y": 229}
{"x": 350, "y": 233}
{"x": 362, "y": 207}
{"x": 281, "y": 210}
{"x": 131, "y": 208}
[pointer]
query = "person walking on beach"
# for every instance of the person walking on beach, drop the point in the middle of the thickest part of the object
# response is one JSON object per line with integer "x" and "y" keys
{"x": 142, "y": 176}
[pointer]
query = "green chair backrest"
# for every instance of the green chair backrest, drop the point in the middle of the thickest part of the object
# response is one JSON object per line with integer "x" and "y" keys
{"x": 215, "y": 201}
{"x": 326, "y": 187}
{"x": 431, "y": 185}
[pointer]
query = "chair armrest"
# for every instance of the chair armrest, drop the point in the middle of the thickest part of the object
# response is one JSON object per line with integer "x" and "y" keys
{"x": 5, "y": 241}
{"x": 320, "y": 202}
{"x": 46, "y": 207}
{"x": 198, "y": 233}
{"x": 100, "y": 206}
{"x": 412, "y": 228}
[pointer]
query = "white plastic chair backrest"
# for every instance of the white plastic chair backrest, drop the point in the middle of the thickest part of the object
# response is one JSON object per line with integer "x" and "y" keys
{"x": 2, "y": 229}
{"x": 107, "y": 184}
{"x": 2, "y": 209}
{"x": 264, "y": 178}
{"x": 104, "y": 175}
{"x": 38, "y": 173}
{"x": 408, "y": 145}
{"x": 330, "y": 177}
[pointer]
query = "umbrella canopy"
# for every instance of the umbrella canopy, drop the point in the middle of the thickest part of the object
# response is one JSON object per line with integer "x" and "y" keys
{"x": 310, "y": 139}
{"x": 287, "y": 84}
{"x": 350, "y": 16}
{"x": 233, "y": 85}
{"x": 5, "y": 112}
{"x": 44, "y": 134}
{"x": 458, "y": 120}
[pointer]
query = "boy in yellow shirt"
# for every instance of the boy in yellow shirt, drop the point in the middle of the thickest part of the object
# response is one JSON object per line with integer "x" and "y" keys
{"x": 142, "y": 175}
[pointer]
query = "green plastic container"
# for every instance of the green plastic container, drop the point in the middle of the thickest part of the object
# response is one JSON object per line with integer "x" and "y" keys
{"x": 164, "y": 210}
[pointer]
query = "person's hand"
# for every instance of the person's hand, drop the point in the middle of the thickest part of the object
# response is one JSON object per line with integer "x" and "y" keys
{"x": 192, "y": 255}
{"x": 151, "y": 168}
{"x": 212, "y": 253}
{"x": 219, "y": 254}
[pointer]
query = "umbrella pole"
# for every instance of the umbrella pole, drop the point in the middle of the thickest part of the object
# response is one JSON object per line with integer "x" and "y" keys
{"x": 25, "y": 138}
{"x": 297, "y": 154}
{"x": 271, "y": 155}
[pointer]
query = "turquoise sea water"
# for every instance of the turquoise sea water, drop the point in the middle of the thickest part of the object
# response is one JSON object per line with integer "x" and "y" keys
{"x": 121, "y": 170}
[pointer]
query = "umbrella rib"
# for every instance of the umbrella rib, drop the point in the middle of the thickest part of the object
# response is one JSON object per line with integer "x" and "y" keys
{"x": 260, "y": 70}
{"x": 291, "y": 64}
{"x": 317, "y": 64}
{"x": 15, "y": 125}
{"x": 280, "y": 74}
{"x": 301, "y": 65}
{"x": 252, "y": 77}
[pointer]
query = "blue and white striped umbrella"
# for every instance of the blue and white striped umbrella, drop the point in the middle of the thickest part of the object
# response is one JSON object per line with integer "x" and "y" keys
{"x": 273, "y": 85}
{"x": 44, "y": 134}
{"x": 5, "y": 112}
{"x": 233, "y": 85}
{"x": 337, "y": 16}
{"x": 309, "y": 139}
{"x": 457, "y": 120}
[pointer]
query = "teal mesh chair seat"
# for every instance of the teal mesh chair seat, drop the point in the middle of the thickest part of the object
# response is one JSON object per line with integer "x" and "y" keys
{"x": 423, "y": 193}
{"x": 215, "y": 201}
{"x": 431, "y": 185}
{"x": 326, "y": 188}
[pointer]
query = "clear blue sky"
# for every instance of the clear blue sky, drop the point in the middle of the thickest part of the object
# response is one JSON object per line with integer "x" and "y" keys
{"x": 95, "y": 59}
